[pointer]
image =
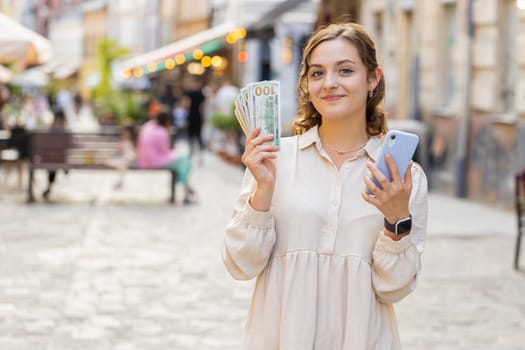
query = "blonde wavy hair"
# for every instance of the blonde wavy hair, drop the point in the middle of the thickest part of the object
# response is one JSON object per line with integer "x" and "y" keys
{"x": 308, "y": 116}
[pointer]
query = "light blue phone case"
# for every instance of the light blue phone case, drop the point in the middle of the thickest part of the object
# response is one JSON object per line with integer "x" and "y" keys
{"x": 401, "y": 146}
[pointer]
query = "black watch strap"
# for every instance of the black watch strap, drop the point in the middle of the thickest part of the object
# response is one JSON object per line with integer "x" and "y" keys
{"x": 401, "y": 226}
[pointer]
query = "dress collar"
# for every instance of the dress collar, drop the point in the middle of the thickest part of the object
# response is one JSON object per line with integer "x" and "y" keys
{"x": 311, "y": 136}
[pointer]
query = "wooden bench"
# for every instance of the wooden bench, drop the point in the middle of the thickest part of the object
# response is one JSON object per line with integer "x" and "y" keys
{"x": 55, "y": 150}
{"x": 520, "y": 211}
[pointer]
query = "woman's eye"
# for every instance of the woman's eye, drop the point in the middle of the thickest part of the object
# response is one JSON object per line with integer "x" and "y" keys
{"x": 316, "y": 74}
{"x": 346, "y": 70}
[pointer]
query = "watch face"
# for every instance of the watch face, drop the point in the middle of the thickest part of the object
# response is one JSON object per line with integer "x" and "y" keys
{"x": 404, "y": 226}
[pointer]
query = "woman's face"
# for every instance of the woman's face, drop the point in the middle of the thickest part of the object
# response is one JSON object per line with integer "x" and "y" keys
{"x": 337, "y": 80}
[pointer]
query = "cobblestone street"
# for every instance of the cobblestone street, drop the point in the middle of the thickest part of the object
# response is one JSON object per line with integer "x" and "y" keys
{"x": 99, "y": 269}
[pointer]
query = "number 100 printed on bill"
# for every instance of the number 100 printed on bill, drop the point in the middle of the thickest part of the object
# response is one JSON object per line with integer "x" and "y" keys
{"x": 258, "y": 105}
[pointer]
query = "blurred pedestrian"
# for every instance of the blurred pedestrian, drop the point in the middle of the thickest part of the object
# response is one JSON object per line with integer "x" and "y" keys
{"x": 77, "y": 101}
{"x": 329, "y": 259}
{"x": 16, "y": 155}
{"x": 127, "y": 154}
{"x": 210, "y": 109}
{"x": 154, "y": 150}
{"x": 180, "y": 115}
{"x": 195, "y": 116}
{"x": 168, "y": 98}
{"x": 63, "y": 99}
{"x": 64, "y": 102}
{"x": 4, "y": 98}
{"x": 58, "y": 125}
{"x": 225, "y": 97}
{"x": 154, "y": 108}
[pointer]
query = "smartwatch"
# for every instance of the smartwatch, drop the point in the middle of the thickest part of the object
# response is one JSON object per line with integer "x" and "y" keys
{"x": 401, "y": 226}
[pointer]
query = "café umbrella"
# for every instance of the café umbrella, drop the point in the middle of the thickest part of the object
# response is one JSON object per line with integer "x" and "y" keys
{"x": 21, "y": 44}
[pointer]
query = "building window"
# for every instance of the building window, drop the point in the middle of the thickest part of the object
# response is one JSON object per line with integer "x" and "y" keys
{"x": 191, "y": 10}
{"x": 509, "y": 63}
{"x": 447, "y": 72}
{"x": 408, "y": 70}
{"x": 379, "y": 33}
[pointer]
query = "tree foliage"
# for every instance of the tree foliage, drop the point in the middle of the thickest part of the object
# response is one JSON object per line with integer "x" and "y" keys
{"x": 113, "y": 105}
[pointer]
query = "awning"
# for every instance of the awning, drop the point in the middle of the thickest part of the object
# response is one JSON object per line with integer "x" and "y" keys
{"x": 66, "y": 70}
{"x": 18, "y": 43}
{"x": 269, "y": 17}
{"x": 207, "y": 41}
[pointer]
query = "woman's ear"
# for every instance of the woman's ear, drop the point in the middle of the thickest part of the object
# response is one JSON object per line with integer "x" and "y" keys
{"x": 374, "y": 79}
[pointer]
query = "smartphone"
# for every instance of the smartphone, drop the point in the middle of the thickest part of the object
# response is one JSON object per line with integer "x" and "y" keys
{"x": 401, "y": 146}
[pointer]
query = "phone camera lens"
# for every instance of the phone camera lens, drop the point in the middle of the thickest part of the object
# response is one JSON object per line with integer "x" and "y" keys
{"x": 393, "y": 137}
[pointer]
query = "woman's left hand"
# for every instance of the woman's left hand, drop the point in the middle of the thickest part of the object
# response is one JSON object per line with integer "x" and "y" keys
{"x": 393, "y": 199}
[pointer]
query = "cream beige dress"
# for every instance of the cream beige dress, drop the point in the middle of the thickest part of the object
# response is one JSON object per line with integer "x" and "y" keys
{"x": 326, "y": 274}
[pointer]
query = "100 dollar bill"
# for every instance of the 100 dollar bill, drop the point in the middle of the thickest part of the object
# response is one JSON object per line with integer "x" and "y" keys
{"x": 258, "y": 105}
{"x": 266, "y": 108}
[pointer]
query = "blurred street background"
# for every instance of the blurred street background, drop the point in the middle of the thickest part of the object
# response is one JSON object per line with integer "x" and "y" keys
{"x": 100, "y": 259}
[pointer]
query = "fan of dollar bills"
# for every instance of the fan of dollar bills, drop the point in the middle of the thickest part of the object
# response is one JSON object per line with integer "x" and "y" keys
{"x": 257, "y": 105}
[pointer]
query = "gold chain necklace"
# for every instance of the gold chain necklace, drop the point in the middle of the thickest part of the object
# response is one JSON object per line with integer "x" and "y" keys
{"x": 356, "y": 150}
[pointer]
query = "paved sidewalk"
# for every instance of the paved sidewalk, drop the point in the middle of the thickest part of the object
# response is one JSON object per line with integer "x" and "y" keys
{"x": 120, "y": 270}
{"x": 468, "y": 296}
{"x": 460, "y": 217}
{"x": 124, "y": 270}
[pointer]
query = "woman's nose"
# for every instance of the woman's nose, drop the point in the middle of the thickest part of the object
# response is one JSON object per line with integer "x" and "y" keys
{"x": 330, "y": 81}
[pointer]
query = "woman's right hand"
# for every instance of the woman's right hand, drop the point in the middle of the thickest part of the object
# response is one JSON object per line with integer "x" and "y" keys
{"x": 259, "y": 158}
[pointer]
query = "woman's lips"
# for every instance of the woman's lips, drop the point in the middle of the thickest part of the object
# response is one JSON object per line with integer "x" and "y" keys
{"x": 332, "y": 97}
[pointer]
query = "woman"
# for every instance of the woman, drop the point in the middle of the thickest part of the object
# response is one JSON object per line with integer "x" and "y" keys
{"x": 327, "y": 268}
{"x": 154, "y": 151}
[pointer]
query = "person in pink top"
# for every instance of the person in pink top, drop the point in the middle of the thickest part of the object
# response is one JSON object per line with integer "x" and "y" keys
{"x": 154, "y": 151}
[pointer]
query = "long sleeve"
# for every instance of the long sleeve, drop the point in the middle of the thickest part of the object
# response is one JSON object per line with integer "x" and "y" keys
{"x": 396, "y": 264}
{"x": 249, "y": 237}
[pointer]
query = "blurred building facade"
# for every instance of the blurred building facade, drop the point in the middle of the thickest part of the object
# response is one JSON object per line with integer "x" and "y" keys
{"x": 276, "y": 32}
{"x": 455, "y": 66}
{"x": 76, "y": 26}
{"x": 458, "y": 66}
{"x": 268, "y": 46}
